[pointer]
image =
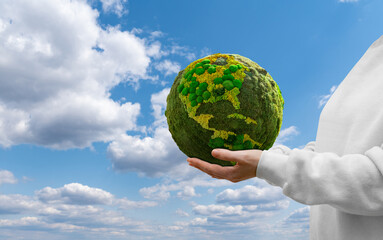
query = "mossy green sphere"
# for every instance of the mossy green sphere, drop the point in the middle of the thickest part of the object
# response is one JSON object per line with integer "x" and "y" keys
{"x": 236, "y": 105}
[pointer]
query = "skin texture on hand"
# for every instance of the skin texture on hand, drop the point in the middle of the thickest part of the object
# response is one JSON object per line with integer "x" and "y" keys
{"x": 246, "y": 167}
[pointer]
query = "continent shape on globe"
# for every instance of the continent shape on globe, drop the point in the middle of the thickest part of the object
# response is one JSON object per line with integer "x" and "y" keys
{"x": 223, "y": 101}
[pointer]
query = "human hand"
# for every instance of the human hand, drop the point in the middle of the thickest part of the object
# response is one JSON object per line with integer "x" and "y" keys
{"x": 246, "y": 167}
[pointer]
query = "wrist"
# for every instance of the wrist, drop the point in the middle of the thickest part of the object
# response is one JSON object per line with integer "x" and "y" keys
{"x": 272, "y": 168}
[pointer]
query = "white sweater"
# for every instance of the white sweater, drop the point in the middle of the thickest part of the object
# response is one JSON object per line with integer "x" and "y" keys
{"x": 340, "y": 175}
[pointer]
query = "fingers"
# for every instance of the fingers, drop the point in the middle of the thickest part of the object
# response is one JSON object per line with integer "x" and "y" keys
{"x": 247, "y": 162}
{"x": 227, "y": 155}
{"x": 213, "y": 170}
{"x": 216, "y": 171}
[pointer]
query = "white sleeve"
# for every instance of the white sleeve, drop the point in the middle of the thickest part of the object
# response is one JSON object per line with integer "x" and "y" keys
{"x": 352, "y": 183}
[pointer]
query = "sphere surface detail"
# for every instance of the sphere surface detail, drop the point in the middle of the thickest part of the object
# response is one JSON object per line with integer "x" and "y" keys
{"x": 223, "y": 101}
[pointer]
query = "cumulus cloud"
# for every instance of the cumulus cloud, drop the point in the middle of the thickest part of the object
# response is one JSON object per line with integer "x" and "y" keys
{"x": 158, "y": 101}
{"x": 154, "y": 155}
{"x": 75, "y": 193}
{"x": 168, "y": 67}
{"x": 57, "y": 66}
{"x": 16, "y": 203}
{"x": 298, "y": 216}
{"x": 187, "y": 192}
{"x": 73, "y": 207}
{"x": 182, "y": 213}
{"x": 79, "y": 194}
{"x": 324, "y": 98}
{"x": 229, "y": 220}
{"x": 250, "y": 195}
{"x": 182, "y": 51}
{"x": 59, "y": 211}
{"x": 129, "y": 204}
{"x": 286, "y": 134}
{"x": 7, "y": 177}
{"x": 296, "y": 224}
{"x": 241, "y": 212}
{"x": 25, "y": 221}
{"x": 221, "y": 210}
{"x": 115, "y": 6}
{"x": 185, "y": 188}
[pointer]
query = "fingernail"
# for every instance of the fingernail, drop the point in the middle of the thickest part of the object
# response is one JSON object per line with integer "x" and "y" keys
{"x": 217, "y": 151}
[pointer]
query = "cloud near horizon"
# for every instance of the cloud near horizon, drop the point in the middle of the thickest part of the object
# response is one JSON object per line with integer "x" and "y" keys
{"x": 80, "y": 209}
{"x": 75, "y": 206}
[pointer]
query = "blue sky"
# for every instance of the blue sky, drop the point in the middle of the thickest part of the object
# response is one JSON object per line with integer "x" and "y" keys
{"x": 85, "y": 152}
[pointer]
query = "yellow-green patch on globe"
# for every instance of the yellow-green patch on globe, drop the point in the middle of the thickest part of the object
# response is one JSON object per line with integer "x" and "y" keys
{"x": 223, "y": 101}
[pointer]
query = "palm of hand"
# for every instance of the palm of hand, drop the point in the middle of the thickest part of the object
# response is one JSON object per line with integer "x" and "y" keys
{"x": 246, "y": 167}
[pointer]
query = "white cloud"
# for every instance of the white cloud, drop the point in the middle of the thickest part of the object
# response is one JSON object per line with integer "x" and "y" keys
{"x": 242, "y": 207}
{"x": 74, "y": 193}
{"x": 183, "y": 51}
{"x": 271, "y": 206}
{"x": 168, "y": 67}
{"x": 295, "y": 225}
{"x": 154, "y": 50}
{"x": 71, "y": 208}
{"x": 343, "y": 1}
{"x": 199, "y": 221}
{"x": 158, "y": 101}
{"x": 240, "y": 213}
{"x": 33, "y": 222}
{"x": 99, "y": 217}
{"x": 185, "y": 188}
{"x": 230, "y": 220}
{"x": 154, "y": 155}
{"x": 129, "y": 204}
{"x": 157, "y": 34}
{"x": 205, "y": 52}
{"x": 62, "y": 100}
{"x": 16, "y": 203}
{"x": 182, "y": 213}
{"x": 240, "y": 221}
{"x": 286, "y": 134}
{"x": 7, "y": 177}
{"x": 324, "y": 98}
{"x": 250, "y": 195}
{"x": 115, "y": 6}
{"x": 85, "y": 215}
{"x": 221, "y": 210}
{"x": 187, "y": 192}
{"x": 298, "y": 216}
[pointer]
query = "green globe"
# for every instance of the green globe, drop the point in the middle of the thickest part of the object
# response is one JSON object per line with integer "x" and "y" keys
{"x": 223, "y": 101}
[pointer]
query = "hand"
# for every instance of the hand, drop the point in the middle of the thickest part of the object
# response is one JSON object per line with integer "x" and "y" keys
{"x": 246, "y": 167}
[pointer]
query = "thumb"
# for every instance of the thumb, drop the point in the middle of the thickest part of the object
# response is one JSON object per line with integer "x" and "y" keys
{"x": 227, "y": 155}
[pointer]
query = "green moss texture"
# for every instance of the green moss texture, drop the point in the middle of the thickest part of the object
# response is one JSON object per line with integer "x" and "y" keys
{"x": 223, "y": 101}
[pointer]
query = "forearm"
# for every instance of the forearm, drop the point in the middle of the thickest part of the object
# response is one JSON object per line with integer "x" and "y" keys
{"x": 352, "y": 183}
